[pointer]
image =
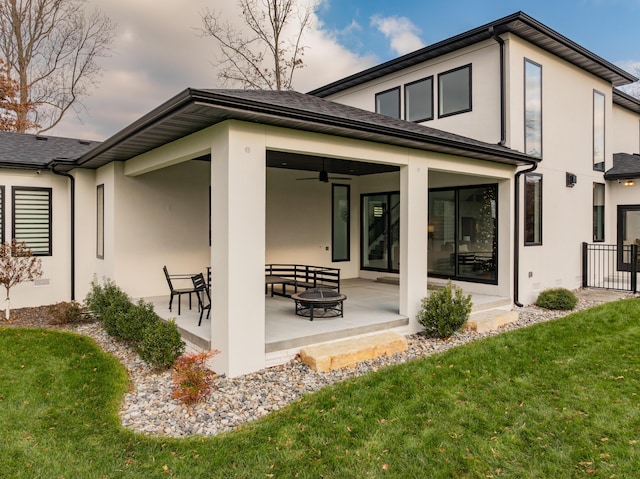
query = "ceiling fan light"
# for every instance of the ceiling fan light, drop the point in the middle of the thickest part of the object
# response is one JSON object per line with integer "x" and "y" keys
{"x": 324, "y": 176}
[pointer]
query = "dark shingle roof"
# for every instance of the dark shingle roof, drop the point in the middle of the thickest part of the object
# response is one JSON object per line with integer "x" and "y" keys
{"x": 193, "y": 110}
{"x": 519, "y": 24}
{"x": 20, "y": 150}
{"x": 625, "y": 167}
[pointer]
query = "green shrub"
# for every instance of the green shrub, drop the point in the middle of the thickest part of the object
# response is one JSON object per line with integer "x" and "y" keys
{"x": 66, "y": 313}
{"x": 109, "y": 304}
{"x": 132, "y": 323}
{"x": 161, "y": 344}
{"x": 444, "y": 312}
{"x": 557, "y": 298}
{"x": 191, "y": 377}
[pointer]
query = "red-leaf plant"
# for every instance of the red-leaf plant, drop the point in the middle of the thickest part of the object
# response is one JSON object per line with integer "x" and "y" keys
{"x": 17, "y": 265}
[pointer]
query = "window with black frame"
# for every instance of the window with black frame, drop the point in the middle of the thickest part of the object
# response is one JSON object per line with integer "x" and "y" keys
{"x": 388, "y": 102}
{"x": 454, "y": 91}
{"x": 463, "y": 233}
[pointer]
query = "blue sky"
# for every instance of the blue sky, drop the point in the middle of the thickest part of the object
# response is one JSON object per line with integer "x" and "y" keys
{"x": 609, "y": 28}
{"x": 157, "y": 51}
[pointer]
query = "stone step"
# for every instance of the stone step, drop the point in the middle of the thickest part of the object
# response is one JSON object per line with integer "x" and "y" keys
{"x": 491, "y": 320}
{"x": 329, "y": 356}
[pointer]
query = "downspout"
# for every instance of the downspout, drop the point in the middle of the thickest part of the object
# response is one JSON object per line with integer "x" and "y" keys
{"x": 72, "y": 184}
{"x": 516, "y": 234}
{"x": 534, "y": 165}
{"x": 503, "y": 116}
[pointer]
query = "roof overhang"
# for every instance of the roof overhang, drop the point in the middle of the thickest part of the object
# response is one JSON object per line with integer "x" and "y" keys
{"x": 193, "y": 110}
{"x": 519, "y": 24}
{"x": 626, "y": 101}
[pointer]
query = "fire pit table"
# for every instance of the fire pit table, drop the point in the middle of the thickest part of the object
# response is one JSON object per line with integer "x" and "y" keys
{"x": 319, "y": 302}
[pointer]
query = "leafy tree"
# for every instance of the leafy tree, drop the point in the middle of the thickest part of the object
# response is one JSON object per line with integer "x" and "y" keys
{"x": 267, "y": 55}
{"x": 50, "y": 49}
{"x": 9, "y": 105}
{"x": 17, "y": 265}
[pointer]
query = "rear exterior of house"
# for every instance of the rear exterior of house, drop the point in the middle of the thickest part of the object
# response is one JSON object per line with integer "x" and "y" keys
{"x": 480, "y": 159}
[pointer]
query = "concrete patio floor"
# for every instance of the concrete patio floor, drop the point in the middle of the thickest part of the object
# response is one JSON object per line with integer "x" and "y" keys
{"x": 370, "y": 307}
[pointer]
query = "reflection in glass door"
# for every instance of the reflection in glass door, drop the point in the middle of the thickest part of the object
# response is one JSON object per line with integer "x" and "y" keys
{"x": 628, "y": 233}
{"x": 380, "y": 234}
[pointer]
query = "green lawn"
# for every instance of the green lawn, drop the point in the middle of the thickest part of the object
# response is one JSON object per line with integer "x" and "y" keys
{"x": 556, "y": 400}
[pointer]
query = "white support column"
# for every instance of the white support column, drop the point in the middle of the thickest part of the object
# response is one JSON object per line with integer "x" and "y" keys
{"x": 238, "y": 177}
{"x": 413, "y": 238}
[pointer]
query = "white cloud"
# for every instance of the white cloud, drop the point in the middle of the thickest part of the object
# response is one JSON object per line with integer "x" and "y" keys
{"x": 404, "y": 35}
{"x": 158, "y": 53}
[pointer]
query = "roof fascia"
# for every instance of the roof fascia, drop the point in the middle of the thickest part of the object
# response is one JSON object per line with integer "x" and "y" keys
{"x": 503, "y": 25}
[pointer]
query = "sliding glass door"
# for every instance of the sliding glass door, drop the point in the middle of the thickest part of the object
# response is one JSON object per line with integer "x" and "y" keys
{"x": 628, "y": 234}
{"x": 463, "y": 233}
{"x": 380, "y": 232}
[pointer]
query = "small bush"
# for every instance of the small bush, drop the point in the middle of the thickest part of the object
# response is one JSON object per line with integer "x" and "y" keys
{"x": 132, "y": 323}
{"x": 66, "y": 313}
{"x": 108, "y": 303}
{"x": 191, "y": 377}
{"x": 557, "y": 298}
{"x": 161, "y": 344}
{"x": 444, "y": 312}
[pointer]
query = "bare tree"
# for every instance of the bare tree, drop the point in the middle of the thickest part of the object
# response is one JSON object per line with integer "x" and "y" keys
{"x": 267, "y": 55}
{"x": 51, "y": 50}
{"x": 17, "y": 265}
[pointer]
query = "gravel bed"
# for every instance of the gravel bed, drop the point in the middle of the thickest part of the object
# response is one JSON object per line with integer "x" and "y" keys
{"x": 149, "y": 408}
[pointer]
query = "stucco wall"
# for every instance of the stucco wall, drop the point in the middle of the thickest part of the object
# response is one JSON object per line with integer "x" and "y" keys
{"x": 626, "y": 131}
{"x": 55, "y": 284}
{"x": 567, "y": 136}
{"x": 482, "y": 123}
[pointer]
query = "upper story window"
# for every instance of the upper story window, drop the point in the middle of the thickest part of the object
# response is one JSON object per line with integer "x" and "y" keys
{"x": 532, "y": 108}
{"x": 418, "y": 100}
{"x": 32, "y": 218}
{"x": 454, "y": 91}
{"x": 388, "y": 102}
{"x": 598, "y": 131}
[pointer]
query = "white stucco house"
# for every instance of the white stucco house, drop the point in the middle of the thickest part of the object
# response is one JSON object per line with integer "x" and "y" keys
{"x": 487, "y": 159}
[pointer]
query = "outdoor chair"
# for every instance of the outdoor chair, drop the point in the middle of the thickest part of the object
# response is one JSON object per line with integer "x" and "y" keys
{"x": 202, "y": 293}
{"x": 178, "y": 291}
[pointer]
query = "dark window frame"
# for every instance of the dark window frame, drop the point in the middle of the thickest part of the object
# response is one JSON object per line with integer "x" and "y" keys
{"x": 394, "y": 89}
{"x": 100, "y": 224}
{"x": 2, "y": 214}
{"x": 334, "y": 186}
{"x": 406, "y": 99}
{"x": 604, "y": 211}
{"x": 15, "y": 189}
{"x": 457, "y": 191}
{"x": 600, "y": 165}
{"x": 440, "y": 99}
{"x": 524, "y": 86}
{"x": 540, "y": 211}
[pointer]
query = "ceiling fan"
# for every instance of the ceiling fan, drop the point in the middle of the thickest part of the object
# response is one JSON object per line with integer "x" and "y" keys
{"x": 323, "y": 176}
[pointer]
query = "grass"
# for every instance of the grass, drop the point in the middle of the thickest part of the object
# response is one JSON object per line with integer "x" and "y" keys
{"x": 559, "y": 399}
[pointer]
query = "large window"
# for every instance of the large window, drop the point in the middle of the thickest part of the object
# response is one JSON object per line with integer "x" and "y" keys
{"x": 454, "y": 91}
{"x": 31, "y": 218}
{"x": 598, "y": 131}
{"x": 340, "y": 221}
{"x": 388, "y": 102}
{"x": 532, "y": 209}
{"x": 463, "y": 233}
{"x": 532, "y": 109}
{"x": 598, "y": 212}
{"x": 100, "y": 221}
{"x": 418, "y": 100}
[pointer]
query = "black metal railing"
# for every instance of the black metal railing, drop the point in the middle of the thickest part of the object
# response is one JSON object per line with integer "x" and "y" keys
{"x": 610, "y": 266}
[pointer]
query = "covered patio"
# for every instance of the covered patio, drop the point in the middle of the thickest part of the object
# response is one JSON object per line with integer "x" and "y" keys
{"x": 371, "y": 306}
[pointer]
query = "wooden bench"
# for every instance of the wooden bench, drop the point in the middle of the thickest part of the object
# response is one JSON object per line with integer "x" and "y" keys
{"x": 298, "y": 278}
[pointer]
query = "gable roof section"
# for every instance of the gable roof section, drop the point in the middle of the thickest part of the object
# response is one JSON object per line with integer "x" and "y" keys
{"x": 519, "y": 24}
{"x": 21, "y": 150}
{"x": 193, "y": 110}
{"x": 626, "y": 101}
{"x": 625, "y": 167}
